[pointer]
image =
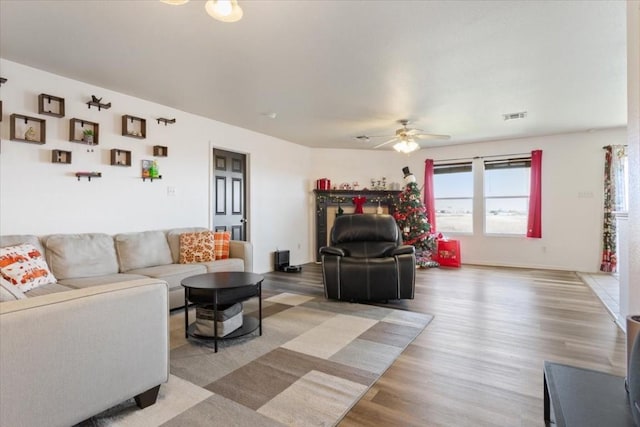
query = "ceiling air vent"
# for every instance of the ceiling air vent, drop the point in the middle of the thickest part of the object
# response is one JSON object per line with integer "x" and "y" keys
{"x": 514, "y": 116}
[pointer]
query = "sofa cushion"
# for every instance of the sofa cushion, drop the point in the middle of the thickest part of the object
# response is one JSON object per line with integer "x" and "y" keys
{"x": 231, "y": 264}
{"x": 173, "y": 237}
{"x": 197, "y": 247}
{"x": 172, "y": 273}
{"x": 221, "y": 244}
{"x": 9, "y": 291}
{"x": 51, "y": 288}
{"x": 19, "y": 239}
{"x": 143, "y": 249}
{"x": 80, "y": 255}
{"x": 24, "y": 266}
{"x": 87, "y": 282}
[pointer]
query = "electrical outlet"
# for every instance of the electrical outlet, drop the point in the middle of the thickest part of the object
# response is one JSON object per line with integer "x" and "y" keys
{"x": 171, "y": 191}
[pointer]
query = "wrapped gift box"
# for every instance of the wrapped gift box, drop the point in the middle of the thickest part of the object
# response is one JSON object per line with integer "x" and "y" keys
{"x": 448, "y": 253}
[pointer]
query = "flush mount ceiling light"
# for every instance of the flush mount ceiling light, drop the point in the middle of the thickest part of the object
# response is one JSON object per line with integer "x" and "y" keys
{"x": 222, "y": 10}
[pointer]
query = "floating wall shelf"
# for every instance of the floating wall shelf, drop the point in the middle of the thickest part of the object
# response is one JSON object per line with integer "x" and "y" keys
{"x": 169, "y": 121}
{"x": 95, "y": 102}
{"x": 61, "y": 156}
{"x": 50, "y": 105}
{"x": 88, "y": 175}
{"x": 144, "y": 178}
{"x": 120, "y": 157}
{"x": 76, "y": 128}
{"x": 160, "y": 151}
{"x": 134, "y": 127}
{"x": 30, "y": 134}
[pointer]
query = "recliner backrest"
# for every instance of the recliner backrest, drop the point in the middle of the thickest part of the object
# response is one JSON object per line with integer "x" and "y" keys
{"x": 365, "y": 235}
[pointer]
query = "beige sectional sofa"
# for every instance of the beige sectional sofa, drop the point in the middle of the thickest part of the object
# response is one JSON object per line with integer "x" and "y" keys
{"x": 90, "y": 259}
{"x": 100, "y": 335}
{"x": 67, "y": 356}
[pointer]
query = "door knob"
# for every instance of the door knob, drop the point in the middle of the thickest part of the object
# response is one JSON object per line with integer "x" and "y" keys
{"x": 244, "y": 220}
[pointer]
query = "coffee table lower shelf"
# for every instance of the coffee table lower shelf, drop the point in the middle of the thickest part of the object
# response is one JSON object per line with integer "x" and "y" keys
{"x": 249, "y": 324}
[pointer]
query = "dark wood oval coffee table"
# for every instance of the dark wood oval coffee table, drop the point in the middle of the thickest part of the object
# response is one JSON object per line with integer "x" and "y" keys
{"x": 227, "y": 287}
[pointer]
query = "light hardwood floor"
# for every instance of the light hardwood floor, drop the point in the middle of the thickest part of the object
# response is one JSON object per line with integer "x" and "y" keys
{"x": 479, "y": 362}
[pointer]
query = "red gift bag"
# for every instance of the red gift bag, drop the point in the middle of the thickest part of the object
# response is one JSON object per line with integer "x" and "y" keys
{"x": 448, "y": 253}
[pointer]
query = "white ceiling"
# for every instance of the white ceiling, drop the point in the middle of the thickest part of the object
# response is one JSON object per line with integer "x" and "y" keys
{"x": 332, "y": 70}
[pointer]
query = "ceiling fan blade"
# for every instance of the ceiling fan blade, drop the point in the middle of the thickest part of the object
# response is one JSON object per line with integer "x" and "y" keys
{"x": 431, "y": 136}
{"x": 380, "y": 136}
{"x": 386, "y": 142}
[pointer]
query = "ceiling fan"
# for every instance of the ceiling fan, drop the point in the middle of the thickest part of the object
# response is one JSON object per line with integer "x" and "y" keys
{"x": 405, "y": 138}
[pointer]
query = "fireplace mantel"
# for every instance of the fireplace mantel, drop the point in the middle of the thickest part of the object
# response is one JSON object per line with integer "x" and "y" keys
{"x": 344, "y": 199}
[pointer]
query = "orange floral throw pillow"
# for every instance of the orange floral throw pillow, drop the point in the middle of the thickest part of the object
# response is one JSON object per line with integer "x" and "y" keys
{"x": 221, "y": 244}
{"x": 23, "y": 266}
{"x": 196, "y": 247}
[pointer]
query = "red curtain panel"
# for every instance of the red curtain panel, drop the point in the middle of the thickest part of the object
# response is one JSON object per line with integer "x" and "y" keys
{"x": 534, "y": 227}
{"x": 429, "y": 197}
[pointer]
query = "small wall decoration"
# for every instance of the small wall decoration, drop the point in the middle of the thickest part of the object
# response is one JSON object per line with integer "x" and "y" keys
{"x": 146, "y": 166}
{"x": 150, "y": 170}
{"x": 31, "y": 134}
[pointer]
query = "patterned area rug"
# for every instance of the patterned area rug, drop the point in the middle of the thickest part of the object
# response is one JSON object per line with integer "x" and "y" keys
{"x": 313, "y": 362}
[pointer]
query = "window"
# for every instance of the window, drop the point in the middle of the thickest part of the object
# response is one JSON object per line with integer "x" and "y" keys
{"x": 453, "y": 194}
{"x": 506, "y": 195}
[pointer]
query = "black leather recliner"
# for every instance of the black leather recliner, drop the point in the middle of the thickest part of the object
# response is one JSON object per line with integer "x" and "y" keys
{"x": 367, "y": 260}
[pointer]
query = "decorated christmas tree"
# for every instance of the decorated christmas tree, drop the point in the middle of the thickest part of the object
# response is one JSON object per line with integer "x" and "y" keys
{"x": 411, "y": 216}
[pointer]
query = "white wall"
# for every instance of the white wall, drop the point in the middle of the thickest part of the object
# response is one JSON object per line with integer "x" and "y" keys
{"x": 633, "y": 94}
{"x": 39, "y": 197}
{"x": 572, "y": 169}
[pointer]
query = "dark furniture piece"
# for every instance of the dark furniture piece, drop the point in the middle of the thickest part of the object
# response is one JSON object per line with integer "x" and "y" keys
{"x": 223, "y": 288}
{"x": 584, "y": 398}
{"x": 367, "y": 260}
{"x": 344, "y": 198}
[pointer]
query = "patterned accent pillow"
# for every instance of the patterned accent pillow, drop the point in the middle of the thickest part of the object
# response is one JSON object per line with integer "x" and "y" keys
{"x": 221, "y": 244}
{"x": 196, "y": 247}
{"x": 24, "y": 266}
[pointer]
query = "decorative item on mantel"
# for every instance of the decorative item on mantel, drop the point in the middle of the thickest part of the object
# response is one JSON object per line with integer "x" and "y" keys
{"x": 379, "y": 184}
{"x": 323, "y": 184}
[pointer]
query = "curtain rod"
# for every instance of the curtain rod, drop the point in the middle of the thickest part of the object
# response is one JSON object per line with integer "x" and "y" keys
{"x": 484, "y": 157}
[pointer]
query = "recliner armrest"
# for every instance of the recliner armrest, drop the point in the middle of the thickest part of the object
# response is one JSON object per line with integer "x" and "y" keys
{"x": 401, "y": 250}
{"x": 332, "y": 250}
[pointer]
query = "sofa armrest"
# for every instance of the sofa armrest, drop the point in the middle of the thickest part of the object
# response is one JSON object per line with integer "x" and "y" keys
{"x": 401, "y": 250}
{"x": 332, "y": 250}
{"x": 243, "y": 250}
{"x": 70, "y": 355}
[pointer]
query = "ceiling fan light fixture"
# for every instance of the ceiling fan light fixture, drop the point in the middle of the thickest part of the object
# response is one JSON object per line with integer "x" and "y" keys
{"x": 406, "y": 146}
{"x": 175, "y": 2}
{"x": 224, "y": 10}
